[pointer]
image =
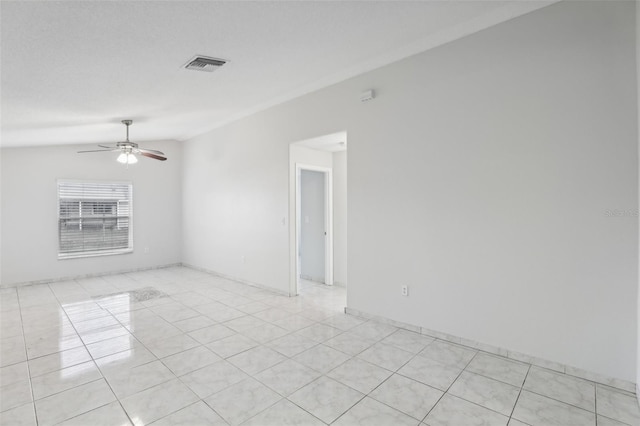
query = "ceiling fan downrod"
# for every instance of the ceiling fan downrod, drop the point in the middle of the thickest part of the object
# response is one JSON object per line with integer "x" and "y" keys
{"x": 127, "y": 123}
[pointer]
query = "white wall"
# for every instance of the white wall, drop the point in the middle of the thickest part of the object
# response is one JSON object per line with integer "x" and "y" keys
{"x": 638, "y": 121}
{"x": 309, "y": 157}
{"x": 312, "y": 225}
{"x": 479, "y": 176}
{"x": 340, "y": 217}
{"x": 29, "y": 210}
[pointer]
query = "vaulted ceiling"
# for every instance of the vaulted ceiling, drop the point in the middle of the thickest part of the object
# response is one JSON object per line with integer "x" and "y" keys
{"x": 71, "y": 70}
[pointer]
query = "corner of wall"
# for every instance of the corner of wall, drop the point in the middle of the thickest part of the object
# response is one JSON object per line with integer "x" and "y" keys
{"x": 637, "y": 16}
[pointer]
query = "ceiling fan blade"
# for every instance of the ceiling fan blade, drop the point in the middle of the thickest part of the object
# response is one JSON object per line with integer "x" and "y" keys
{"x": 109, "y": 147}
{"x": 98, "y": 150}
{"x": 151, "y": 151}
{"x": 154, "y": 156}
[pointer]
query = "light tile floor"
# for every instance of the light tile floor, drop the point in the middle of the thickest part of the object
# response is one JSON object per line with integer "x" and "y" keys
{"x": 179, "y": 346}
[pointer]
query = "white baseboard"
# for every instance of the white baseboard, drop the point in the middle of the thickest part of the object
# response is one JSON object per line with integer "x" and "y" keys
{"x": 529, "y": 359}
{"x": 240, "y": 280}
{"x": 321, "y": 281}
{"x": 92, "y": 275}
{"x": 314, "y": 279}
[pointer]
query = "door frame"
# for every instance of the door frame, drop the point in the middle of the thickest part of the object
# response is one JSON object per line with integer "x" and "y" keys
{"x": 328, "y": 225}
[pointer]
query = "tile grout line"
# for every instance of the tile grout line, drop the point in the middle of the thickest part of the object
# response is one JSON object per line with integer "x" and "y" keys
{"x": 501, "y": 359}
{"x": 92, "y": 360}
{"x": 560, "y": 401}
{"x": 449, "y": 387}
{"x": 595, "y": 402}
{"x": 315, "y": 380}
{"x": 537, "y": 393}
{"x": 393, "y": 372}
{"x": 224, "y": 359}
{"x": 519, "y": 393}
{"x": 26, "y": 358}
{"x": 157, "y": 359}
{"x": 387, "y": 379}
{"x": 291, "y": 359}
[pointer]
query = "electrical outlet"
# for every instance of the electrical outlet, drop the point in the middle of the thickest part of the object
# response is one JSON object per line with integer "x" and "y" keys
{"x": 244, "y": 259}
{"x": 405, "y": 290}
{"x": 146, "y": 250}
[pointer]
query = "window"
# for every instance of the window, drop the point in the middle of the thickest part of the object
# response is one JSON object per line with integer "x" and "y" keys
{"x": 94, "y": 218}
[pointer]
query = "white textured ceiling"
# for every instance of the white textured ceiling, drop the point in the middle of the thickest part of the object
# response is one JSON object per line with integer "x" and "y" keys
{"x": 71, "y": 70}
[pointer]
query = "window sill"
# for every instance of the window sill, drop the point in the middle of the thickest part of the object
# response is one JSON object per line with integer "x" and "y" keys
{"x": 93, "y": 254}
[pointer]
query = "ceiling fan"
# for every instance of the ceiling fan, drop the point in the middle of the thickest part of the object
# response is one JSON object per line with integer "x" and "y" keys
{"x": 128, "y": 149}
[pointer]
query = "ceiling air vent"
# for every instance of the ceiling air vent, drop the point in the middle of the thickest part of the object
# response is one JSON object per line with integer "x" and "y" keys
{"x": 204, "y": 63}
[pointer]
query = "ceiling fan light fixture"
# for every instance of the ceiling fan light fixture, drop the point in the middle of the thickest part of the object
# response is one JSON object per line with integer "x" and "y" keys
{"x": 127, "y": 149}
{"x": 127, "y": 158}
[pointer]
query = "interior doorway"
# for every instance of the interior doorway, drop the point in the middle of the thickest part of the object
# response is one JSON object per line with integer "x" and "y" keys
{"x": 314, "y": 224}
{"x": 317, "y": 212}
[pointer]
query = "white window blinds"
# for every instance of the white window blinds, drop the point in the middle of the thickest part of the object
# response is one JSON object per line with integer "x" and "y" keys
{"x": 94, "y": 218}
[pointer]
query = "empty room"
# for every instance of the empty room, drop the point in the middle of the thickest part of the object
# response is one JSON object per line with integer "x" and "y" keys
{"x": 319, "y": 213}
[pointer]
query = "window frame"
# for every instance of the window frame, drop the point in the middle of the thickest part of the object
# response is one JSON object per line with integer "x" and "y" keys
{"x": 101, "y": 252}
